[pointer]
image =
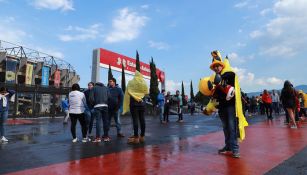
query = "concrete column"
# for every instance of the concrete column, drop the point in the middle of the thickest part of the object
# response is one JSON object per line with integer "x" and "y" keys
{"x": 96, "y": 66}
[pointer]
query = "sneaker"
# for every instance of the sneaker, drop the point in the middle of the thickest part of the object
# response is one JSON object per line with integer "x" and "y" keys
{"x": 84, "y": 140}
{"x": 236, "y": 155}
{"x": 180, "y": 121}
{"x": 293, "y": 127}
{"x": 106, "y": 139}
{"x": 133, "y": 140}
{"x": 74, "y": 140}
{"x": 3, "y": 139}
{"x": 142, "y": 139}
{"x": 97, "y": 140}
{"x": 120, "y": 135}
{"x": 223, "y": 150}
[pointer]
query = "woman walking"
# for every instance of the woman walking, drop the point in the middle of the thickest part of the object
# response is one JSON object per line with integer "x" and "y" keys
{"x": 288, "y": 101}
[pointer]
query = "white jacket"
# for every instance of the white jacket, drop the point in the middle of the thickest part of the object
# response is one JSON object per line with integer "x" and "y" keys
{"x": 77, "y": 102}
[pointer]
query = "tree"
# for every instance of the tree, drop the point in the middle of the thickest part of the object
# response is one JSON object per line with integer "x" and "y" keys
{"x": 202, "y": 99}
{"x": 123, "y": 79}
{"x": 110, "y": 75}
{"x": 137, "y": 62}
{"x": 191, "y": 93}
{"x": 154, "y": 89}
{"x": 182, "y": 94}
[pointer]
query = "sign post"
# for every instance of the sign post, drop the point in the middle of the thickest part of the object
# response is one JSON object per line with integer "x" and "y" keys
{"x": 104, "y": 58}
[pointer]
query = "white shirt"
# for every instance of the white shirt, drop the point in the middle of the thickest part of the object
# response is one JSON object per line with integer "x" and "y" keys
{"x": 275, "y": 97}
{"x": 77, "y": 102}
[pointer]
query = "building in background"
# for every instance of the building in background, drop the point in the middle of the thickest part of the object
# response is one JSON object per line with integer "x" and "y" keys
{"x": 40, "y": 80}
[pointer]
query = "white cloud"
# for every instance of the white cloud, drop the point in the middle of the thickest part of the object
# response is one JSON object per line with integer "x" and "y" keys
{"x": 269, "y": 81}
{"x": 9, "y": 32}
{"x": 265, "y": 11}
{"x": 81, "y": 34}
{"x": 146, "y": 6}
{"x": 125, "y": 27}
{"x": 64, "y": 5}
{"x": 255, "y": 34}
{"x": 51, "y": 52}
{"x": 241, "y": 4}
{"x": 279, "y": 50}
{"x": 248, "y": 80}
{"x": 172, "y": 86}
{"x": 235, "y": 58}
{"x": 158, "y": 45}
{"x": 239, "y": 44}
{"x": 244, "y": 76}
{"x": 285, "y": 34}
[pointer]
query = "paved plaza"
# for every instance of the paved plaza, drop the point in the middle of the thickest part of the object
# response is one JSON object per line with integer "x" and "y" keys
{"x": 43, "y": 146}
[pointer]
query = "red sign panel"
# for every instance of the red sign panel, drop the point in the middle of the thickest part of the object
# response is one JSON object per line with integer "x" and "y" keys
{"x": 116, "y": 61}
{"x": 57, "y": 78}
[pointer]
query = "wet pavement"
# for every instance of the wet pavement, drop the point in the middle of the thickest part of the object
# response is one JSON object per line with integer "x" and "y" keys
{"x": 44, "y": 146}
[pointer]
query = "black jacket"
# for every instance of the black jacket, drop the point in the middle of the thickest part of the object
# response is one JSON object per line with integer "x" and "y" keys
{"x": 99, "y": 94}
{"x": 228, "y": 78}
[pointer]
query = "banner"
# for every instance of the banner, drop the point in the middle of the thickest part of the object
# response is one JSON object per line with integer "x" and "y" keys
{"x": 57, "y": 78}
{"x": 45, "y": 75}
{"x": 116, "y": 61}
{"x": 10, "y": 74}
{"x": 29, "y": 73}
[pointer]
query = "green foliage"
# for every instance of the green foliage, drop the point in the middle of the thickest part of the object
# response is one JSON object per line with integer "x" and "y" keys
{"x": 201, "y": 99}
{"x": 184, "y": 102}
{"x": 123, "y": 79}
{"x": 154, "y": 89}
{"x": 110, "y": 75}
{"x": 137, "y": 62}
{"x": 191, "y": 93}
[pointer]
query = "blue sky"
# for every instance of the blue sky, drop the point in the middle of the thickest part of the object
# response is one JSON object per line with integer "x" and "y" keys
{"x": 265, "y": 40}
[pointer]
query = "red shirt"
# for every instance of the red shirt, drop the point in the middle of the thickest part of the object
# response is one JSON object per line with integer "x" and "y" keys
{"x": 266, "y": 98}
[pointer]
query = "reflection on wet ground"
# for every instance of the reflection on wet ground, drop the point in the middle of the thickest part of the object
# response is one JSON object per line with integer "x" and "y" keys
{"x": 176, "y": 148}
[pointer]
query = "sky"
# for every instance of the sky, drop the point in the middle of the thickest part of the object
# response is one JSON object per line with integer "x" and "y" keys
{"x": 264, "y": 40}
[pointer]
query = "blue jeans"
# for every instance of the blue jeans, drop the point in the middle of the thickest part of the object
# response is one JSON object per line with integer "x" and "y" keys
{"x": 115, "y": 114}
{"x": 89, "y": 116}
{"x": 3, "y": 118}
{"x": 101, "y": 113}
{"x": 230, "y": 127}
{"x": 161, "y": 108}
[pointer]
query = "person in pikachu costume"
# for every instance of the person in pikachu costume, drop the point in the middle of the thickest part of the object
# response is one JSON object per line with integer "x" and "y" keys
{"x": 226, "y": 97}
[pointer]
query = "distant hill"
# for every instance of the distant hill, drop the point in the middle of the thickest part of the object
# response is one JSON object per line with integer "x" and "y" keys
{"x": 299, "y": 87}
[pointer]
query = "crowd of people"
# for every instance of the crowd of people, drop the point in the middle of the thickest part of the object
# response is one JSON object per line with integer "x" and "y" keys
{"x": 290, "y": 101}
{"x": 100, "y": 104}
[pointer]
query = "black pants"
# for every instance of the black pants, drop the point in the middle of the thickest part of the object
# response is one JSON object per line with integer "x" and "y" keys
{"x": 179, "y": 110}
{"x": 268, "y": 110}
{"x": 73, "y": 119}
{"x": 166, "y": 113}
{"x": 302, "y": 112}
{"x": 138, "y": 116}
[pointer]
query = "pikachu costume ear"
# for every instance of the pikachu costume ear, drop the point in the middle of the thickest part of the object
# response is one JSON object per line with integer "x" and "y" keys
{"x": 216, "y": 59}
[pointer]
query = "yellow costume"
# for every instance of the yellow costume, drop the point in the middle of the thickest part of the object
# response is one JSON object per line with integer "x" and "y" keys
{"x": 136, "y": 88}
{"x": 238, "y": 101}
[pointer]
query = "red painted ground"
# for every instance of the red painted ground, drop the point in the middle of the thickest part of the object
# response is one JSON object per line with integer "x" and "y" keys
{"x": 18, "y": 121}
{"x": 267, "y": 145}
